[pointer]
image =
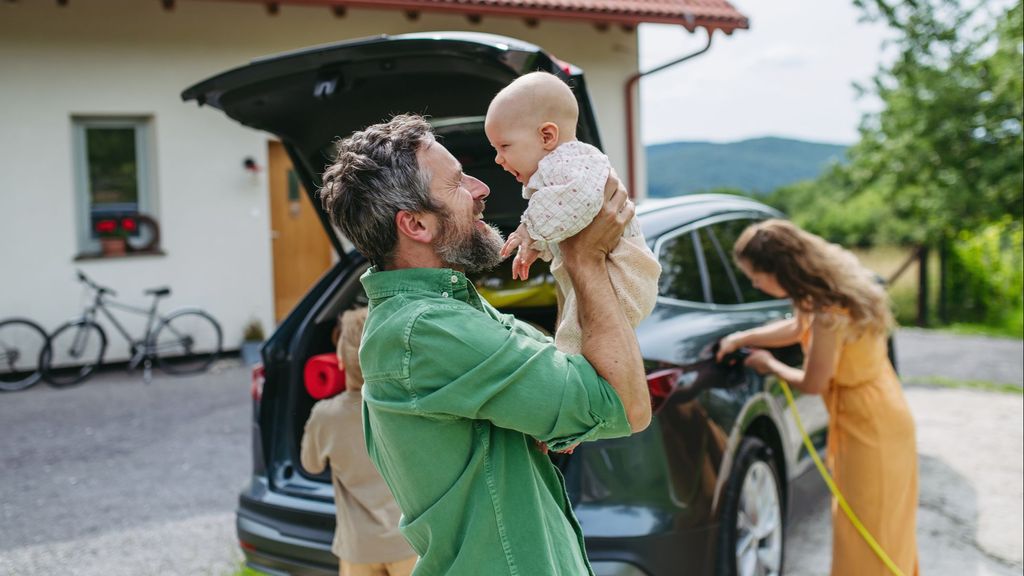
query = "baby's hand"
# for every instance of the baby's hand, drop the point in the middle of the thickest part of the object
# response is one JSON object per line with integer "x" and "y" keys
{"x": 516, "y": 239}
{"x": 525, "y": 257}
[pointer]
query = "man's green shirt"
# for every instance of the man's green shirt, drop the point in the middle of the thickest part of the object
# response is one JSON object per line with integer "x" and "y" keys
{"x": 455, "y": 396}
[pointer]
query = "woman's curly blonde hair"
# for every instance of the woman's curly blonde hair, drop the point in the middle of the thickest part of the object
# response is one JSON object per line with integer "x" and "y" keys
{"x": 817, "y": 275}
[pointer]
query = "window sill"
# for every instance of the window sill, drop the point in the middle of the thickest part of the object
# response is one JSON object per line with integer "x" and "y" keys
{"x": 100, "y": 256}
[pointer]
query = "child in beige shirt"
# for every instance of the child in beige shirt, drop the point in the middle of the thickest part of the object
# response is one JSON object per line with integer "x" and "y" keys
{"x": 531, "y": 124}
{"x": 366, "y": 540}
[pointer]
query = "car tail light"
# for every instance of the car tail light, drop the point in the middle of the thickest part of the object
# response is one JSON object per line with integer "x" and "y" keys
{"x": 661, "y": 384}
{"x": 259, "y": 376}
{"x": 247, "y": 546}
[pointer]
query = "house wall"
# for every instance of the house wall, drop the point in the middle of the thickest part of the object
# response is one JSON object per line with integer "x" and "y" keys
{"x": 133, "y": 58}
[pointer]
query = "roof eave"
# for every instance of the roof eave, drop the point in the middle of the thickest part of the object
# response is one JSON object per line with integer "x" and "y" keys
{"x": 726, "y": 24}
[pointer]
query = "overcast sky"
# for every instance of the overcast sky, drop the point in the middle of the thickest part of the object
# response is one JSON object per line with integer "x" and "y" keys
{"x": 791, "y": 74}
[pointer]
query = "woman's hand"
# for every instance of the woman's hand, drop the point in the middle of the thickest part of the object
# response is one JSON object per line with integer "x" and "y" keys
{"x": 761, "y": 361}
{"x": 728, "y": 345}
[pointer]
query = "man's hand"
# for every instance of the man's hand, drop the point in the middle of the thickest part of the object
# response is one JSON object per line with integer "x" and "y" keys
{"x": 600, "y": 236}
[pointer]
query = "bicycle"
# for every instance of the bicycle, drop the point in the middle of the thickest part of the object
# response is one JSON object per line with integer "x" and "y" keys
{"x": 186, "y": 341}
{"x": 21, "y": 343}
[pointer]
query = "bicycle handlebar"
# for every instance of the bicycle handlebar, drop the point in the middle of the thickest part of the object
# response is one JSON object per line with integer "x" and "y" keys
{"x": 101, "y": 289}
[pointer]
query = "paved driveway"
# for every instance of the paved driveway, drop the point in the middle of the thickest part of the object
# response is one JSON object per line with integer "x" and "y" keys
{"x": 116, "y": 477}
{"x": 119, "y": 477}
{"x": 922, "y": 353}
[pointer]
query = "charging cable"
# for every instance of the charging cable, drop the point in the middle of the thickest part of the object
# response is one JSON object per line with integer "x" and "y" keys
{"x": 835, "y": 489}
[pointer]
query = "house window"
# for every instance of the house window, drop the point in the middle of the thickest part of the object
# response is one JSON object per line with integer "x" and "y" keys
{"x": 114, "y": 190}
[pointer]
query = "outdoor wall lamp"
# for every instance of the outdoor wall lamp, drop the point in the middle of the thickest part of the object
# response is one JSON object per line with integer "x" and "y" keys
{"x": 250, "y": 165}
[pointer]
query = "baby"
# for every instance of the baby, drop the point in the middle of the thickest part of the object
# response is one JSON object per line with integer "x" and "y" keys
{"x": 531, "y": 124}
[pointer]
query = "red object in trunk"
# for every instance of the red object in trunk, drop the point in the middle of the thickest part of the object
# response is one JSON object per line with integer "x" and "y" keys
{"x": 324, "y": 377}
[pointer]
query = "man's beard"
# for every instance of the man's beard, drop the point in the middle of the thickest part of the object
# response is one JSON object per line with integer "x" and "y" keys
{"x": 470, "y": 251}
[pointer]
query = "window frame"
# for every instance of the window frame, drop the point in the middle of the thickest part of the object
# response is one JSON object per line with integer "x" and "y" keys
{"x": 702, "y": 265}
{"x": 87, "y": 246}
{"x": 699, "y": 257}
{"x": 724, "y": 260}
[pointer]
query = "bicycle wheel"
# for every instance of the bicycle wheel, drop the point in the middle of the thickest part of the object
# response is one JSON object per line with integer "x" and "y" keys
{"x": 186, "y": 342}
{"x": 21, "y": 343}
{"x": 73, "y": 353}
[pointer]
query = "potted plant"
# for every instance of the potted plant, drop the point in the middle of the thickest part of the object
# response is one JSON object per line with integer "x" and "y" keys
{"x": 113, "y": 238}
{"x": 252, "y": 341}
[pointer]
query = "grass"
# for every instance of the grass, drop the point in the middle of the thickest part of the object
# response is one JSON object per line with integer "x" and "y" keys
{"x": 986, "y": 330}
{"x": 982, "y": 385}
{"x": 885, "y": 261}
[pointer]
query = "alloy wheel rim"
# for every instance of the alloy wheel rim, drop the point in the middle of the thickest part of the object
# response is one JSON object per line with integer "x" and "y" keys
{"x": 759, "y": 524}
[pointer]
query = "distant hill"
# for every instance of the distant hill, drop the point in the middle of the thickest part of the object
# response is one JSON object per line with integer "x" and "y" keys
{"x": 757, "y": 166}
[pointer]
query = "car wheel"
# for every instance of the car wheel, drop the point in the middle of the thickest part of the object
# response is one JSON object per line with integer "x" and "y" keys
{"x": 751, "y": 529}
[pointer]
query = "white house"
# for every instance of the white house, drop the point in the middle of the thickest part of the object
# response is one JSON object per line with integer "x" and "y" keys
{"x": 90, "y": 92}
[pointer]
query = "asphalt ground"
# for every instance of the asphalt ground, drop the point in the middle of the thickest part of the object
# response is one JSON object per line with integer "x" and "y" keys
{"x": 925, "y": 353}
{"x": 118, "y": 477}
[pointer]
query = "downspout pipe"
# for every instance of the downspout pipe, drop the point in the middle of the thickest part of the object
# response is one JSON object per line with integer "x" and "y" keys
{"x": 630, "y": 89}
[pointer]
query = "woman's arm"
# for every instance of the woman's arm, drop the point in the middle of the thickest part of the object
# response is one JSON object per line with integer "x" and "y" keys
{"x": 819, "y": 367}
{"x": 774, "y": 335}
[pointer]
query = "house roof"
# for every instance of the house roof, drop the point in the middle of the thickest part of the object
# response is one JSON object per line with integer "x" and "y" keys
{"x": 691, "y": 14}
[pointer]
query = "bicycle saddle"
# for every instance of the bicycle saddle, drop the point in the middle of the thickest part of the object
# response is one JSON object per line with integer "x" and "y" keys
{"x": 161, "y": 291}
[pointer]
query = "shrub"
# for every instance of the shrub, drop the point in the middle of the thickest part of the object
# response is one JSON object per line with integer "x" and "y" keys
{"x": 986, "y": 276}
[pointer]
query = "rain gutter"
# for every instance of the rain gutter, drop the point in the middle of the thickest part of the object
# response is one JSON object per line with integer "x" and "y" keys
{"x": 630, "y": 128}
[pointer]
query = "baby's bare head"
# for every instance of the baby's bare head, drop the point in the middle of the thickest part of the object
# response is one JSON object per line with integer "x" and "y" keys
{"x": 534, "y": 99}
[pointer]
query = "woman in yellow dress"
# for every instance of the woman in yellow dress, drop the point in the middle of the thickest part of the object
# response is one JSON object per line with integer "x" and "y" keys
{"x": 842, "y": 320}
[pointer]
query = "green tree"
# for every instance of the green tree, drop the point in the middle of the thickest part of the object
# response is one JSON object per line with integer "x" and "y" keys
{"x": 942, "y": 162}
{"x": 946, "y": 151}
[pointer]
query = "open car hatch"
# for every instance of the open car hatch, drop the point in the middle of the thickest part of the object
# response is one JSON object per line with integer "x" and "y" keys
{"x": 312, "y": 97}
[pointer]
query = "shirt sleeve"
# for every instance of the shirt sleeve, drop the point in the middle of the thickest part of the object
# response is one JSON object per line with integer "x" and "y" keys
{"x": 510, "y": 377}
{"x": 569, "y": 194}
{"x": 311, "y": 453}
{"x": 518, "y": 326}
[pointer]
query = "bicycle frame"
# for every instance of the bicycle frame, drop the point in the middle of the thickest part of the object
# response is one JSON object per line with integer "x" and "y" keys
{"x": 140, "y": 348}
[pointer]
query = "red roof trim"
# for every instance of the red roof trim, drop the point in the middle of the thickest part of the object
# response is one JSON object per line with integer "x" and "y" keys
{"x": 691, "y": 14}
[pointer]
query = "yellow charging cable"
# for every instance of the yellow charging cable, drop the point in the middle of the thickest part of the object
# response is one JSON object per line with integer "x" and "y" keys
{"x": 832, "y": 485}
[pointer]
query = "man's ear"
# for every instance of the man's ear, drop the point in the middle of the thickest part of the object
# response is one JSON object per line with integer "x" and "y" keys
{"x": 415, "y": 226}
{"x": 549, "y": 135}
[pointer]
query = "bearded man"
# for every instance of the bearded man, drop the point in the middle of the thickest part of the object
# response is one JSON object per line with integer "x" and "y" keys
{"x": 455, "y": 392}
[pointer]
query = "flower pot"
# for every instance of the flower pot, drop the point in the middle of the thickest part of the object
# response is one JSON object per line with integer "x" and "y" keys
{"x": 250, "y": 352}
{"x": 113, "y": 246}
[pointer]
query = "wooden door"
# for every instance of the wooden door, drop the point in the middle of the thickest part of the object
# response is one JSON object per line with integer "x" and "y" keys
{"x": 301, "y": 250}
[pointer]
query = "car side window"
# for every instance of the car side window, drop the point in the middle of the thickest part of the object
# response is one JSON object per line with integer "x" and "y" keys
{"x": 727, "y": 233}
{"x": 680, "y": 271}
{"x": 721, "y": 275}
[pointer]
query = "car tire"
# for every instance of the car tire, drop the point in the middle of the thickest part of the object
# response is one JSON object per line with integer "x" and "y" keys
{"x": 751, "y": 532}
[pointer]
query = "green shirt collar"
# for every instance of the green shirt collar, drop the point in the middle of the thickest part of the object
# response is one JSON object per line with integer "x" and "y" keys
{"x": 444, "y": 282}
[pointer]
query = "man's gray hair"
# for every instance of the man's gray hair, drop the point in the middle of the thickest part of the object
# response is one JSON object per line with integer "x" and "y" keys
{"x": 374, "y": 176}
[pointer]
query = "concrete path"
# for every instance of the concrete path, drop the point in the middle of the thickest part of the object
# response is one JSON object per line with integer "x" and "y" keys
{"x": 970, "y": 520}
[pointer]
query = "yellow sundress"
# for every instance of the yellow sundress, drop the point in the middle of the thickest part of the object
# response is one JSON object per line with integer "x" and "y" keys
{"x": 872, "y": 453}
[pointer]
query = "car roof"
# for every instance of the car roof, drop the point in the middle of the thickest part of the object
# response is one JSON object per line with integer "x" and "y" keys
{"x": 660, "y": 215}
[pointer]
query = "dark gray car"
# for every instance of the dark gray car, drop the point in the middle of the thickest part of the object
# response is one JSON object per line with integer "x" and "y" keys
{"x": 702, "y": 491}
